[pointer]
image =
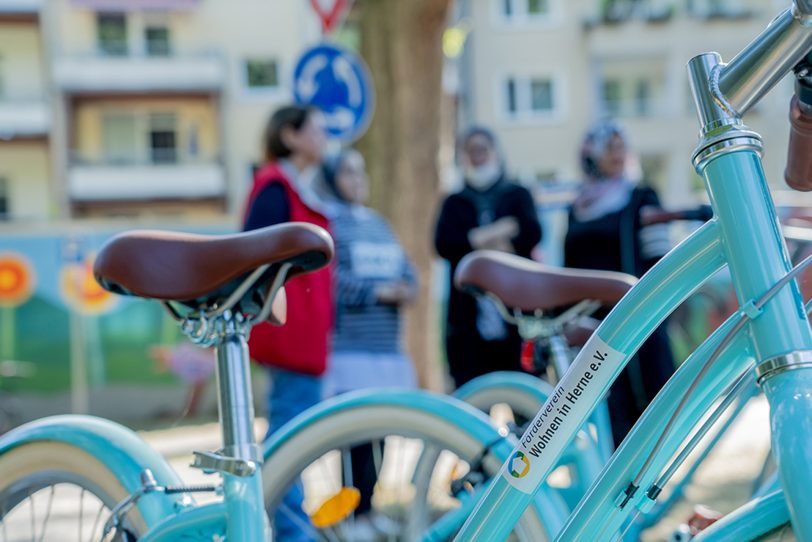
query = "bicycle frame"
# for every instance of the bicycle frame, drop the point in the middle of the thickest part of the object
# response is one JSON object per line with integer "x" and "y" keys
{"x": 778, "y": 336}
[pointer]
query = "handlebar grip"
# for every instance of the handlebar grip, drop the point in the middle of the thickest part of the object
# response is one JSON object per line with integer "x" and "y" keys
{"x": 798, "y": 173}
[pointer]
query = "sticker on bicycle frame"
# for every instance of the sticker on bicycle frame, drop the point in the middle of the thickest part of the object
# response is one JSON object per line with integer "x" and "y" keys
{"x": 561, "y": 416}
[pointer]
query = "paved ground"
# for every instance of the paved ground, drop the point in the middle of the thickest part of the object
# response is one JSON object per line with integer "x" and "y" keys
{"x": 723, "y": 483}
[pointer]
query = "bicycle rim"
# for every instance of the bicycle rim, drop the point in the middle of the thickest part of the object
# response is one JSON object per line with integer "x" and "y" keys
{"x": 319, "y": 450}
{"x": 52, "y": 491}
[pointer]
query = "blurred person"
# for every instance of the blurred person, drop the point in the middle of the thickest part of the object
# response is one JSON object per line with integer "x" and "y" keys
{"x": 605, "y": 232}
{"x": 296, "y": 352}
{"x": 192, "y": 364}
{"x": 489, "y": 212}
{"x": 373, "y": 280}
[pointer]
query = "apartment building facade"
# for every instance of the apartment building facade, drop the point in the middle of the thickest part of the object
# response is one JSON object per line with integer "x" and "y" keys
{"x": 542, "y": 71}
{"x": 146, "y": 107}
{"x": 25, "y": 124}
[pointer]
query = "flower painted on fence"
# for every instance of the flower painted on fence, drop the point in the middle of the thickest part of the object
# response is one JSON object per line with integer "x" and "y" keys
{"x": 80, "y": 289}
{"x": 16, "y": 279}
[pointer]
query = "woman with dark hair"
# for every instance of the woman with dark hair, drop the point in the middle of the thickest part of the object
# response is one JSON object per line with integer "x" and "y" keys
{"x": 489, "y": 212}
{"x": 296, "y": 353}
{"x": 606, "y": 232}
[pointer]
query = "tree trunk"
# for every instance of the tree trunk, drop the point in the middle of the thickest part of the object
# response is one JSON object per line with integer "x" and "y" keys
{"x": 401, "y": 40}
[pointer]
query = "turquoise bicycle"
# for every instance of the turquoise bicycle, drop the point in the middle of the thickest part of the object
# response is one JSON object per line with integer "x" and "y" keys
{"x": 767, "y": 339}
{"x": 136, "y": 495}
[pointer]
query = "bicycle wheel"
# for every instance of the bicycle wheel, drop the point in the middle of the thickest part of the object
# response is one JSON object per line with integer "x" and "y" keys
{"x": 55, "y": 491}
{"x": 517, "y": 398}
{"x": 782, "y": 534}
{"x": 318, "y": 450}
{"x": 522, "y": 393}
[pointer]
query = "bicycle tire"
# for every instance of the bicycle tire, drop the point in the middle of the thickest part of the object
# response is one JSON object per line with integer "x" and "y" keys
{"x": 380, "y": 416}
{"x": 524, "y": 394}
{"x": 32, "y": 467}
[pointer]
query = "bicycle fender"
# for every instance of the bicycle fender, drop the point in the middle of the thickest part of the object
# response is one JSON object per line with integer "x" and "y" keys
{"x": 120, "y": 449}
{"x": 751, "y": 520}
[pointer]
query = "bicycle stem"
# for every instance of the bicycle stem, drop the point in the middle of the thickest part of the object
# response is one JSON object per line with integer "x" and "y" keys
{"x": 765, "y": 60}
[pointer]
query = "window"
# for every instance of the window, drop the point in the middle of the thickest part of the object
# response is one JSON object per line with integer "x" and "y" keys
{"x": 157, "y": 40}
{"x": 137, "y": 138}
{"x": 520, "y": 10}
{"x": 541, "y": 95}
{"x": 628, "y": 97}
{"x": 642, "y": 97}
{"x": 722, "y": 9}
{"x": 633, "y": 87}
{"x": 261, "y": 74}
{"x": 511, "y": 96}
{"x": 162, "y": 138}
{"x": 529, "y": 97}
{"x": 120, "y": 136}
{"x": 612, "y": 100}
{"x": 537, "y": 7}
{"x": 654, "y": 169}
{"x": 5, "y": 207}
{"x": 112, "y": 33}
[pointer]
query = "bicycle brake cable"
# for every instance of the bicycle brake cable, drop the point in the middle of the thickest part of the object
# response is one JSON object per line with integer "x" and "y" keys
{"x": 750, "y": 310}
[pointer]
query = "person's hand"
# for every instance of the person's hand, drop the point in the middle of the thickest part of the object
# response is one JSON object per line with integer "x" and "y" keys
{"x": 163, "y": 355}
{"x": 394, "y": 293}
{"x": 495, "y": 236}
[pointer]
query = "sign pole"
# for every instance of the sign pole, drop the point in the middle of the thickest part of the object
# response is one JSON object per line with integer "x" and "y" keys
{"x": 79, "y": 396}
{"x": 7, "y": 333}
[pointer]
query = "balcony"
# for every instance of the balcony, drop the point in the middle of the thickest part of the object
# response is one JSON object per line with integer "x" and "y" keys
{"x": 139, "y": 74}
{"x": 20, "y": 8}
{"x": 137, "y": 5}
{"x": 105, "y": 181}
{"x": 24, "y": 119}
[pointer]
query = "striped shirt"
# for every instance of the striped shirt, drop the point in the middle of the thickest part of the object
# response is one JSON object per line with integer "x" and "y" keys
{"x": 367, "y": 254}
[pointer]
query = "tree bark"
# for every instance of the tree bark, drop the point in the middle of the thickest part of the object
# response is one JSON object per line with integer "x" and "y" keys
{"x": 401, "y": 41}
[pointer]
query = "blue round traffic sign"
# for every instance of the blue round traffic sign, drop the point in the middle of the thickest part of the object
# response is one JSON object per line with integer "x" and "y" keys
{"x": 336, "y": 81}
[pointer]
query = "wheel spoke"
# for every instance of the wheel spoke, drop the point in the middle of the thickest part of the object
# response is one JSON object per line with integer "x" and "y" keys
{"x": 97, "y": 521}
{"x": 377, "y": 456}
{"x": 47, "y": 513}
{"x": 81, "y": 511}
{"x": 330, "y": 535}
{"x": 305, "y": 526}
{"x": 346, "y": 465}
{"x": 33, "y": 517}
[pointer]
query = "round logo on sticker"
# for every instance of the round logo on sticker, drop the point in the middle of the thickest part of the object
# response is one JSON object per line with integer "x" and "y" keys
{"x": 519, "y": 465}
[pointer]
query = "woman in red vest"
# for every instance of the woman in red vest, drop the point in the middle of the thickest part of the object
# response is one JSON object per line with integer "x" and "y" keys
{"x": 296, "y": 353}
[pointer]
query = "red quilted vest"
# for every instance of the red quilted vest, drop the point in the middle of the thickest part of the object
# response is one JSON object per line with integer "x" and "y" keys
{"x": 300, "y": 344}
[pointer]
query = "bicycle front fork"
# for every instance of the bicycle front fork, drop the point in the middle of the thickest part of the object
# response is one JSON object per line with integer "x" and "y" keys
{"x": 787, "y": 383}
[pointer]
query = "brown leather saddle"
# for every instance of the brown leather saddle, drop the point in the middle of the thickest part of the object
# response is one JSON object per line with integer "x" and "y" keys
{"x": 201, "y": 270}
{"x": 527, "y": 285}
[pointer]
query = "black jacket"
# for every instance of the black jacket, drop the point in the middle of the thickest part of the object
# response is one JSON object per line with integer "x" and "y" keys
{"x": 460, "y": 213}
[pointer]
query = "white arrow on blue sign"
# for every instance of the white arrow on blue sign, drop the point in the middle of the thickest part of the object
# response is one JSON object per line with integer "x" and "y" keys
{"x": 337, "y": 81}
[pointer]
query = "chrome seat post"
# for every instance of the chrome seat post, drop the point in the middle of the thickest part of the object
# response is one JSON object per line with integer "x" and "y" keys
{"x": 235, "y": 398}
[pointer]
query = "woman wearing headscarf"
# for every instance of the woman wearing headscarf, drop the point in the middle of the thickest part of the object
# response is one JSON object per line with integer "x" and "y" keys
{"x": 489, "y": 212}
{"x": 374, "y": 279}
{"x": 606, "y": 232}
